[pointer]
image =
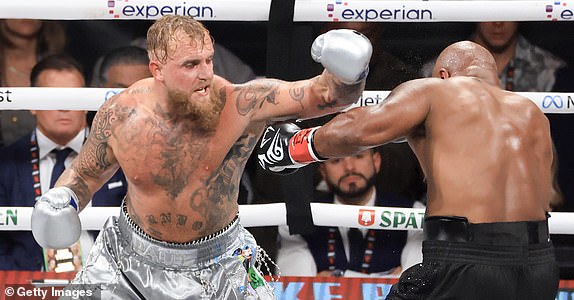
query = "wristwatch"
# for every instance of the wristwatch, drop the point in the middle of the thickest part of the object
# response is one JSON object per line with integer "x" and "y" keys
{"x": 338, "y": 273}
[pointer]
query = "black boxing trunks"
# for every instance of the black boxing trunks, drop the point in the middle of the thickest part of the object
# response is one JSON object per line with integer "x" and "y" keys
{"x": 466, "y": 261}
{"x": 126, "y": 263}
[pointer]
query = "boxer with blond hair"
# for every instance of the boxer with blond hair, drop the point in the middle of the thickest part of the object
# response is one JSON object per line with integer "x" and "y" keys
{"x": 183, "y": 138}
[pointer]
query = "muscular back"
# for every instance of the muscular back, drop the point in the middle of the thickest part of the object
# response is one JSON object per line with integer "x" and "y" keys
{"x": 486, "y": 153}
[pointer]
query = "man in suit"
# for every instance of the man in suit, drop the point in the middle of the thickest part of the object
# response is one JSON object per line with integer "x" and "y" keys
{"x": 29, "y": 167}
{"x": 342, "y": 251}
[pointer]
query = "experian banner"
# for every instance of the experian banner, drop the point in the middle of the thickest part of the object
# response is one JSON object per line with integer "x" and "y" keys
{"x": 430, "y": 11}
{"x": 212, "y": 10}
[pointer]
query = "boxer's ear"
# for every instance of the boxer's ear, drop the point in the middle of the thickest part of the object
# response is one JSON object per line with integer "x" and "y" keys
{"x": 156, "y": 70}
{"x": 443, "y": 73}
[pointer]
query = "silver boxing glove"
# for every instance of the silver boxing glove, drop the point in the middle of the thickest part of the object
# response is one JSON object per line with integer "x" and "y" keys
{"x": 55, "y": 221}
{"x": 344, "y": 53}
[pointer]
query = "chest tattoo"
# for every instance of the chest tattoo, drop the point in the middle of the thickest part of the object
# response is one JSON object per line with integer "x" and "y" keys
{"x": 220, "y": 189}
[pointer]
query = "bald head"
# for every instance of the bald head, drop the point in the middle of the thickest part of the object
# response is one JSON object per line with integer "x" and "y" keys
{"x": 466, "y": 58}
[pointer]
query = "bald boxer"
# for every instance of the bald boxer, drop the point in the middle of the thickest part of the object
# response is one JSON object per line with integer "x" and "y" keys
{"x": 182, "y": 139}
{"x": 486, "y": 154}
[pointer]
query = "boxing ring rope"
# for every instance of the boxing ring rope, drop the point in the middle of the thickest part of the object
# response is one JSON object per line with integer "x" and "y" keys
{"x": 254, "y": 215}
{"x": 17, "y": 98}
{"x": 305, "y": 10}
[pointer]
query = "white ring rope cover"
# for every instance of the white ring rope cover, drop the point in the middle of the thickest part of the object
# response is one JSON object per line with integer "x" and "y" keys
{"x": 254, "y": 215}
{"x": 431, "y": 11}
{"x": 305, "y": 10}
{"x": 37, "y": 98}
{"x": 211, "y": 10}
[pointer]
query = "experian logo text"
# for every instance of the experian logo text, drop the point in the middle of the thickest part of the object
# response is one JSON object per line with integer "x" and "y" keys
{"x": 341, "y": 11}
{"x": 386, "y": 14}
{"x": 153, "y": 11}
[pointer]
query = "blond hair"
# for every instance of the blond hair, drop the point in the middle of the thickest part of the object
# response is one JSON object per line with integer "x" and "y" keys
{"x": 162, "y": 34}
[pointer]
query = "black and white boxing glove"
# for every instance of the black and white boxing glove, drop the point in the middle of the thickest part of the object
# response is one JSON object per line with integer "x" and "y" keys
{"x": 344, "y": 53}
{"x": 55, "y": 221}
{"x": 285, "y": 148}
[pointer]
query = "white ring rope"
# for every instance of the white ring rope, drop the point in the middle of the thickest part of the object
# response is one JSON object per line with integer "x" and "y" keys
{"x": 211, "y": 10}
{"x": 254, "y": 215}
{"x": 305, "y": 10}
{"x": 36, "y": 98}
{"x": 47, "y": 98}
{"x": 431, "y": 11}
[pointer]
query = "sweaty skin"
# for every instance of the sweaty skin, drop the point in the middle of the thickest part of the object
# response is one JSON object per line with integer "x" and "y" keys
{"x": 183, "y": 176}
{"x": 486, "y": 153}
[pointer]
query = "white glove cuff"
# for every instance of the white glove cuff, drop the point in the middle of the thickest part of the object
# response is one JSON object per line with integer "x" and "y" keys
{"x": 73, "y": 197}
{"x": 60, "y": 197}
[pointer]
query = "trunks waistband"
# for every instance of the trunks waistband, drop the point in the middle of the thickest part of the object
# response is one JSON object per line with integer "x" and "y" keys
{"x": 458, "y": 229}
{"x": 172, "y": 254}
{"x": 488, "y": 254}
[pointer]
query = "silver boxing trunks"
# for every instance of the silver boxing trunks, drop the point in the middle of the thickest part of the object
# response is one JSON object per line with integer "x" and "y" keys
{"x": 125, "y": 263}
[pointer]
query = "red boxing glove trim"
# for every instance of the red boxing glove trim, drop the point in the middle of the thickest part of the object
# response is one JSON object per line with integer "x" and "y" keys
{"x": 301, "y": 146}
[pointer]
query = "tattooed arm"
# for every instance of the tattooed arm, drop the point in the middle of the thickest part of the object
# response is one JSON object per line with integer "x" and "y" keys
{"x": 95, "y": 163}
{"x": 345, "y": 54}
{"x": 276, "y": 100}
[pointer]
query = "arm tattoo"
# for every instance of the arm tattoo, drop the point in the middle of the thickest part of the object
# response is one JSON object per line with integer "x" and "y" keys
{"x": 101, "y": 133}
{"x": 255, "y": 95}
{"x": 297, "y": 92}
{"x": 94, "y": 159}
